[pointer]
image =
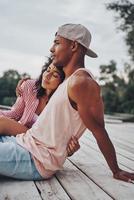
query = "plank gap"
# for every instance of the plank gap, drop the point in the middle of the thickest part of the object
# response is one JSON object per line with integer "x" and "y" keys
{"x": 91, "y": 179}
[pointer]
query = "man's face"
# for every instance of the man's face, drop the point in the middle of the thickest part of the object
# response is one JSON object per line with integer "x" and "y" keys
{"x": 61, "y": 51}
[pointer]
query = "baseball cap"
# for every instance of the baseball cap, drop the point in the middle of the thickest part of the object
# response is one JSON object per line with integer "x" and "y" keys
{"x": 79, "y": 33}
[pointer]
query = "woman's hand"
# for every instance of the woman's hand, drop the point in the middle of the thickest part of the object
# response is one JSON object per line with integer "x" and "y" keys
{"x": 73, "y": 146}
{"x": 18, "y": 88}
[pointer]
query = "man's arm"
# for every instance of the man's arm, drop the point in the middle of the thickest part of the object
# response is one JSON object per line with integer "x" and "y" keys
{"x": 85, "y": 92}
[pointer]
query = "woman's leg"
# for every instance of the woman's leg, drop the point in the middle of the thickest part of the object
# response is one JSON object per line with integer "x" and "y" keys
{"x": 15, "y": 161}
{"x": 11, "y": 127}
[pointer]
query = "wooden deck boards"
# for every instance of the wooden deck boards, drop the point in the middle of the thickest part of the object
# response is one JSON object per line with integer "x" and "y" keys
{"x": 85, "y": 176}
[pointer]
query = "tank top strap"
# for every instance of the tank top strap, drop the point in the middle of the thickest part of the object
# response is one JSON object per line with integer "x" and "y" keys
{"x": 84, "y": 69}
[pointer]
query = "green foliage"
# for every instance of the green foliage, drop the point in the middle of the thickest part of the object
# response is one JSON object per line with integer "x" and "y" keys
{"x": 124, "y": 10}
{"x": 111, "y": 100}
{"x": 117, "y": 92}
{"x": 8, "y": 84}
{"x": 108, "y": 71}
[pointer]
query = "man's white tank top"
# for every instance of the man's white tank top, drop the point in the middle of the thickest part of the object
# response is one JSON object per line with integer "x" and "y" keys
{"x": 48, "y": 138}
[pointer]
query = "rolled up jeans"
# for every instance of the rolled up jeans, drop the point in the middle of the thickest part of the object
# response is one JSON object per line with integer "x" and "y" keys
{"x": 15, "y": 161}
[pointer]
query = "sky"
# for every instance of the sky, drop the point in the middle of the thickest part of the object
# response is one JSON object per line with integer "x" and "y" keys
{"x": 27, "y": 29}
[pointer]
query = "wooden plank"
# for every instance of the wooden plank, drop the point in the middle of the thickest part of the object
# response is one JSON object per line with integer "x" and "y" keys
{"x": 91, "y": 165}
{"x": 123, "y": 131}
{"x": 97, "y": 155}
{"x": 121, "y": 159}
{"x": 117, "y": 142}
{"x": 119, "y": 150}
{"x": 124, "y": 145}
{"x": 121, "y": 128}
{"x": 93, "y": 149}
{"x": 123, "y": 136}
{"x": 51, "y": 190}
{"x": 18, "y": 190}
{"x": 78, "y": 185}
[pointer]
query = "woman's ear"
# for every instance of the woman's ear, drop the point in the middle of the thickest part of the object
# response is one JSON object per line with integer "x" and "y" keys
{"x": 74, "y": 46}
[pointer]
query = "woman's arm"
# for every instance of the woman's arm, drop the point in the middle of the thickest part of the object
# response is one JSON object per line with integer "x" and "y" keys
{"x": 11, "y": 127}
{"x": 16, "y": 110}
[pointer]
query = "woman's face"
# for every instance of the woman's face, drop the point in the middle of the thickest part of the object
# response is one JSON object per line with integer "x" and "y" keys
{"x": 51, "y": 78}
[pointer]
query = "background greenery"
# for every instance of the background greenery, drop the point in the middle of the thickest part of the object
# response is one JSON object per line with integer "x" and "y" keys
{"x": 8, "y": 84}
{"x": 117, "y": 88}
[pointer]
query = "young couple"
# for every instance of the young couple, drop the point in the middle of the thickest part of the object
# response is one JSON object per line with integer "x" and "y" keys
{"x": 37, "y": 153}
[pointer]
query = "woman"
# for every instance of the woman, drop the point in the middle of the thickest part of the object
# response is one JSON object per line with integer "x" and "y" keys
{"x": 35, "y": 95}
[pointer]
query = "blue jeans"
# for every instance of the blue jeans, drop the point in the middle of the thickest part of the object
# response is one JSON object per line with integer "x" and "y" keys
{"x": 15, "y": 161}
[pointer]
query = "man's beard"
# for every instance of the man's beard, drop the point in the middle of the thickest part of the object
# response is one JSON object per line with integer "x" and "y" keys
{"x": 57, "y": 65}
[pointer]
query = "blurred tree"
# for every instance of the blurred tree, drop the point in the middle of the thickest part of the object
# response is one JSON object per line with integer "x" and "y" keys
{"x": 128, "y": 98}
{"x": 117, "y": 91}
{"x": 108, "y": 71}
{"x": 113, "y": 86}
{"x": 125, "y": 16}
{"x": 8, "y": 84}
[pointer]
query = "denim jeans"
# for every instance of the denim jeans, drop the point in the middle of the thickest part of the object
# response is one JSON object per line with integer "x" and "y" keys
{"x": 15, "y": 161}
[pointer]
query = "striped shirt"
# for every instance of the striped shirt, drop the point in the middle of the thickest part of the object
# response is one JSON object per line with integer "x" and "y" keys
{"x": 25, "y": 106}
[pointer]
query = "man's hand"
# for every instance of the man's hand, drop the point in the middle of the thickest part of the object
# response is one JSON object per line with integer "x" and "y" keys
{"x": 18, "y": 88}
{"x": 124, "y": 176}
{"x": 73, "y": 146}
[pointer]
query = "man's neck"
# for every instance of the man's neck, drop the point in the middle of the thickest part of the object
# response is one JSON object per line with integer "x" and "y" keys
{"x": 71, "y": 67}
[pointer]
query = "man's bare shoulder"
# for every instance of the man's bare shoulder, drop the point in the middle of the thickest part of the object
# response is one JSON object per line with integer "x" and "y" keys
{"x": 82, "y": 81}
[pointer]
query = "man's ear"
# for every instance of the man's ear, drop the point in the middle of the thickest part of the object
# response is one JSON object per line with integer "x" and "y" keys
{"x": 74, "y": 46}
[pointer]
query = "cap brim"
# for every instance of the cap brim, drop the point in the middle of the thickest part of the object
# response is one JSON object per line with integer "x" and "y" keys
{"x": 91, "y": 53}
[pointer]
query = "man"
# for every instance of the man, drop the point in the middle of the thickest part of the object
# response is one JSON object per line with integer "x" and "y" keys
{"x": 70, "y": 46}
